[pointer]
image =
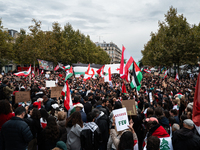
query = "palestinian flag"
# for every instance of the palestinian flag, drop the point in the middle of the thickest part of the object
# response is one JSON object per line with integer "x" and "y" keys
{"x": 69, "y": 74}
{"x": 23, "y": 73}
{"x": 66, "y": 67}
{"x": 67, "y": 96}
{"x": 136, "y": 77}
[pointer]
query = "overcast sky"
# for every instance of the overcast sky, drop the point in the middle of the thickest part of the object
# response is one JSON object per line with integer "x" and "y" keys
{"x": 127, "y": 22}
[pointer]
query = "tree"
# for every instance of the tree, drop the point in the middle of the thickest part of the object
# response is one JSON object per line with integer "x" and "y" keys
{"x": 6, "y": 46}
{"x": 174, "y": 43}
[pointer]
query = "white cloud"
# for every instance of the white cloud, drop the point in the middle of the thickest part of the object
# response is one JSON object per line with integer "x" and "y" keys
{"x": 127, "y": 22}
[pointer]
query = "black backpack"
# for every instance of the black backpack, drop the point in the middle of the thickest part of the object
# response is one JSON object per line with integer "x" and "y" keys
{"x": 2, "y": 93}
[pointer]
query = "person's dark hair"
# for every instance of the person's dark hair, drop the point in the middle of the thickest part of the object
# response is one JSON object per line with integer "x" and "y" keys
{"x": 146, "y": 105}
{"x": 159, "y": 103}
{"x": 174, "y": 111}
{"x": 126, "y": 141}
{"x": 105, "y": 100}
{"x": 52, "y": 131}
{"x": 44, "y": 114}
{"x": 90, "y": 117}
{"x": 166, "y": 112}
{"x": 150, "y": 112}
{"x": 36, "y": 114}
{"x": 19, "y": 110}
{"x": 158, "y": 111}
{"x": 172, "y": 120}
{"x": 153, "y": 143}
{"x": 117, "y": 105}
{"x": 5, "y": 81}
{"x": 5, "y": 107}
{"x": 76, "y": 99}
{"x": 74, "y": 119}
{"x": 86, "y": 98}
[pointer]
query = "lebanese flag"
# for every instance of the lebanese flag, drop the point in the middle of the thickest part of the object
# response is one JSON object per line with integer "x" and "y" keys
{"x": 56, "y": 68}
{"x": 69, "y": 74}
{"x": 165, "y": 74}
{"x": 24, "y": 73}
{"x": 176, "y": 78}
{"x": 108, "y": 77}
{"x": 42, "y": 72}
{"x": 121, "y": 71}
{"x": 67, "y": 96}
{"x": 33, "y": 74}
{"x": 196, "y": 106}
{"x": 66, "y": 67}
{"x": 123, "y": 88}
{"x": 147, "y": 71}
{"x": 100, "y": 70}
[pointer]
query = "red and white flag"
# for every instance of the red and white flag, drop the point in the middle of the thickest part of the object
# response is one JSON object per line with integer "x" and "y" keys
{"x": 196, "y": 106}
{"x": 100, "y": 71}
{"x": 165, "y": 74}
{"x": 107, "y": 78}
{"x": 176, "y": 78}
{"x": 24, "y": 73}
{"x": 33, "y": 74}
{"x": 147, "y": 71}
{"x": 56, "y": 68}
{"x": 42, "y": 71}
{"x": 121, "y": 71}
{"x": 67, "y": 96}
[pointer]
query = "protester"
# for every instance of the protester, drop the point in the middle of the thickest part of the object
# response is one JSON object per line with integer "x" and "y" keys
{"x": 16, "y": 133}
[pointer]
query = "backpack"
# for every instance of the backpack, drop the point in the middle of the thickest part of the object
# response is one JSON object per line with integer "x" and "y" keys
{"x": 2, "y": 93}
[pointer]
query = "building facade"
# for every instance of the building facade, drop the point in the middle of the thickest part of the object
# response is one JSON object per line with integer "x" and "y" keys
{"x": 113, "y": 51}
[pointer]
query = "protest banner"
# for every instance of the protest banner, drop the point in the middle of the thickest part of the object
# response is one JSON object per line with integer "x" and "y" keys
{"x": 50, "y": 83}
{"x": 45, "y": 65}
{"x": 56, "y": 91}
{"x": 22, "y": 96}
{"x": 121, "y": 119}
{"x": 130, "y": 106}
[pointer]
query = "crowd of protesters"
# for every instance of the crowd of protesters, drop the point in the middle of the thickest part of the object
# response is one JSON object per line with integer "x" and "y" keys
{"x": 45, "y": 124}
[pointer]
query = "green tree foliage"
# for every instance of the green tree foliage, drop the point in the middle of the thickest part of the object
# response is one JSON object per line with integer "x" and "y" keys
{"x": 59, "y": 45}
{"x": 176, "y": 42}
{"x": 6, "y": 46}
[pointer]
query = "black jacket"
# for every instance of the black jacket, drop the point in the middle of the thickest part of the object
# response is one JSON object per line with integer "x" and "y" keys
{"x": 90, "y": 137}
{"x": 185, "y": 139}
{"x": 103, "y": 124}
{"x": 16, "y": 134}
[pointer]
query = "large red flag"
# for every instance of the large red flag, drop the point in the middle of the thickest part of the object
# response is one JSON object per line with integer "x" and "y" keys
{"x": 196, "y": 106}
{"x": 122, "y": 61}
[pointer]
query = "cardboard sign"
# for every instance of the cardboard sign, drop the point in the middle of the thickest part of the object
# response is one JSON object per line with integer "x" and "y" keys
{"x": 156, "y": 73}
{"x": 22, "y": 96}
{"x": 162, "y": 75}
{"x": 101, "y": 80}
{"x": 50, "y": 83}
{"x": 130, "y": 106}
{"x": 171, "y": 79}
{"x": 164, "y": 84}
{"x": 1, "y": 76}
{"x": 56, "y": 91}
{"x": 121, "y": 119}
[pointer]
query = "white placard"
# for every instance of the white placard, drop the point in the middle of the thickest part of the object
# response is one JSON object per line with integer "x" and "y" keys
{"x": 121, "y": 119}
{"x": 47, "y": 76}
{"x": 50, "y": 83}
{"x": 150, "y": 97}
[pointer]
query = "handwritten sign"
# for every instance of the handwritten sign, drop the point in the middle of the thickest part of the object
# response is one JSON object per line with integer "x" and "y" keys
{"x": 121, "y": 119}
{"x": 156, "y": 73}
{"x": 50, "y": 83}
{"x": 56, "y": 91}
{"x": 22, "y": 96}
{"x": 130, "y": 106}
